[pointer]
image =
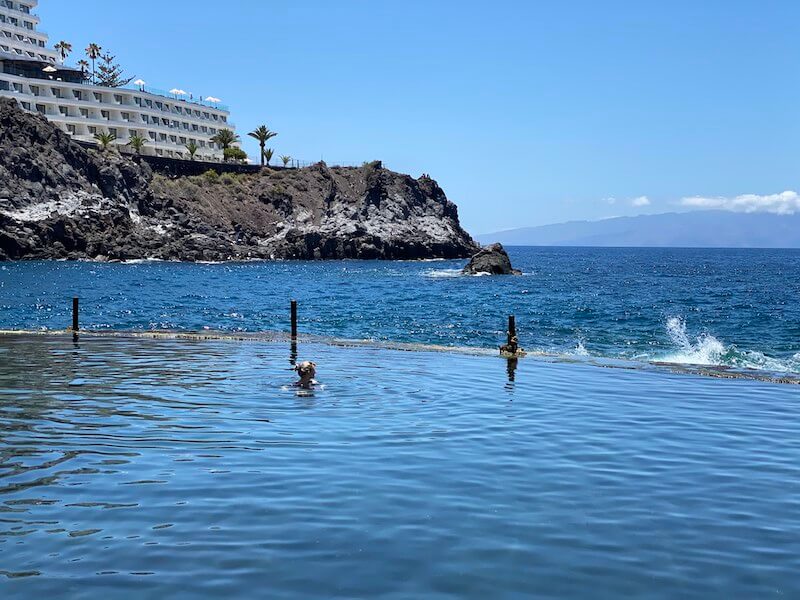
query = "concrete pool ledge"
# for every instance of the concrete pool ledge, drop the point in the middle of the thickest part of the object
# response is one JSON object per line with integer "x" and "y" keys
{"x": 715, "y": 371}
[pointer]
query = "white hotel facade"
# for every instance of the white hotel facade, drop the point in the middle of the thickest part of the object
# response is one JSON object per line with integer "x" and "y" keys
{"x": 31, "y": 73}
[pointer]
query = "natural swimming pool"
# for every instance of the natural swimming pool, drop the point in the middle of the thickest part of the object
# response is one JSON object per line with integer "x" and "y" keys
{"x": 177, "y": 468}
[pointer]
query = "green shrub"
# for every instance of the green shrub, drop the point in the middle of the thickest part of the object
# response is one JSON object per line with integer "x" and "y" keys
{"x": 235, "y": 154}
{"x": 228, "y": 179}
{"x": 211, "y": 175}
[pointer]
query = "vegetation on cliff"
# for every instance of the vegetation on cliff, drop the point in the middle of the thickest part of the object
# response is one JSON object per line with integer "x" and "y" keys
{"x": 60, "y": 200}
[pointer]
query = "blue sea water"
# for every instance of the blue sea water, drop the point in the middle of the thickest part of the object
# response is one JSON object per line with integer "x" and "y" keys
{"x": 164, "y": 468}
{"x": 736, "y": 308}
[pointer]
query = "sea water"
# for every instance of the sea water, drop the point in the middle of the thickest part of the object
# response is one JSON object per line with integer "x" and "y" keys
{"x": 134, "y": 467}
{"x": 736, "y": 308}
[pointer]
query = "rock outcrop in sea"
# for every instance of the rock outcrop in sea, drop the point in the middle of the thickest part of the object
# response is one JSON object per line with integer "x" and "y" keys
{"x": 60, "y": 200}
{"x": 491, "y": 260}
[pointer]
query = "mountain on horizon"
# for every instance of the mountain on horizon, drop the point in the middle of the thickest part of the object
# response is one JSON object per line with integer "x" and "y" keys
{"x": 697, "y": 229}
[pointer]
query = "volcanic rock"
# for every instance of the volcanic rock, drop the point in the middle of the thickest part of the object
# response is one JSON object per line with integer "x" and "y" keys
{"x": 492, "y": 259}
{"x": 61, "y": 200}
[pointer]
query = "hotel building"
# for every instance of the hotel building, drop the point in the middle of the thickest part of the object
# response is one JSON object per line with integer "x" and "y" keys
{"x": 32, "y": 73}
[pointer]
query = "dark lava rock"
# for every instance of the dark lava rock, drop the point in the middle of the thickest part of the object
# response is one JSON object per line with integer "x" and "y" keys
{"x": 492, "y": 259}
{"x": 61, "y": 200}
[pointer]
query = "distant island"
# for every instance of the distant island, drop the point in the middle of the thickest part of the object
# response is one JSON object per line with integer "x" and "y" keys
{"x": 697, "y": 229}
{"x": 60, "y": 200}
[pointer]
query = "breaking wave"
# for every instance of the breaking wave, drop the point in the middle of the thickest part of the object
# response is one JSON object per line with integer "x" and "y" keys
{"x": 707, "y": 350}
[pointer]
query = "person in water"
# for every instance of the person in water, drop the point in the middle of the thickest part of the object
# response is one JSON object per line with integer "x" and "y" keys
{"x": 307, "y": 370}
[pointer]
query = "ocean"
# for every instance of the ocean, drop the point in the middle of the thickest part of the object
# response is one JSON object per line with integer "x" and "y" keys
{"x": 192, "y": 468}
{"x": 735, "y": 308}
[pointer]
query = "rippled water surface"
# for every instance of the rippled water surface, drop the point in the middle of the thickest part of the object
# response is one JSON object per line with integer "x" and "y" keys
{"x": 736, "y": 308}
{"x": 185, "y": 469}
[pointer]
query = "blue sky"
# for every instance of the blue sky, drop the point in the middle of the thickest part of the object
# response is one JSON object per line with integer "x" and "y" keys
{"x": 526, "y": 112}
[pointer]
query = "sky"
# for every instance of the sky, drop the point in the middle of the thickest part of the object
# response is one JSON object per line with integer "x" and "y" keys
{"x": 526, "y": 112}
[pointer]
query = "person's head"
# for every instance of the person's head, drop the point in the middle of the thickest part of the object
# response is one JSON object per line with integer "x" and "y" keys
{"x": 307, "y": 371}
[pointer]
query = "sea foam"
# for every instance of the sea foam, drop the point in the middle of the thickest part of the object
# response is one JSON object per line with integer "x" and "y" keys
{"x": 707, "y": 350}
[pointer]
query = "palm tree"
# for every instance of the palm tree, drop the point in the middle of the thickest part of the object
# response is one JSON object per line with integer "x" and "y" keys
{"x": 84, "y": 66}
{"x": 268, "y": 154}
{"x": 225, "y": 138}
{"x": 93, "y": 52}
{"x": 105, "y": 139}
{"x": 263, "y": 135}
{"x": 137, "y": 142}
{"x": 63, "y": 48}
{"x": 285, "y": 160}
{"x": 192, "y": 148}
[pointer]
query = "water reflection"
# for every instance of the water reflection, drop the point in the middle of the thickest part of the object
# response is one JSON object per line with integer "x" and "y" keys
{"x": 194, "y": 463}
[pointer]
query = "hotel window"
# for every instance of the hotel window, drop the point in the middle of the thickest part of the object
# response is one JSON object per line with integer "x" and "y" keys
{"x": 118, "y": 98}
{"x": 204, "y": 129}
{"x": 113, "y": 131}
{"x": 56, "y": 92}
{"x": 85, "y": 113}
{"x": 165, "y": 122}
{"x": 78, "y": 94}
{"x": 224, "y": 118}
{"x": 137, "y": 101}
{"x": 183, "y": 140}
{"x": 28, "y": 25}
{"x": 216, "y": 117}
{"x": 41, "y": 108}
{"x": 206, "y": 115}
{"x": 159, "y": 105}
{"x": 152, "y": 135}
{"x": 159, "y": 151}
{"x": 144, "y": 118}
{"x": 105, "y": 114}
{"x": 35, "y": 90}
{"x": 98, "y": 97}
{"x": 92, "y": 130}
{"x": 186, "y": 126}
{"x": 63, "y": 110}
{"x": 195, "y": 127}
{"x": 17, "y": 87}
{"x": 4, "y": 85}
{"x": 148, "y": 103}
{"x": 173, "y": 139}
{"x": 202, "y": 144}
{"x": 162, "y": 137}
{"x": 126, "y": 116}
{"x": 26, "y": 105}
{"x": 175, "y": 125}
{"x": 72, "y": 129}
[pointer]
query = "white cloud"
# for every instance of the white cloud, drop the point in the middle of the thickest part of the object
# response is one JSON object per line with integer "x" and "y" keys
{"x": 785, "y": 203}
{"x": 641, "y": 201}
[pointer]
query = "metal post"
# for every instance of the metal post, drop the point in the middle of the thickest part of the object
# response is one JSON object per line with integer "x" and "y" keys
{"x": 294, "y": 319}
{"x": 75, "y": 315}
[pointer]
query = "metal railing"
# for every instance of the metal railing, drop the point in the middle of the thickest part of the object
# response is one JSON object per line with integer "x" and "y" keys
{"x": 190, "y": 99}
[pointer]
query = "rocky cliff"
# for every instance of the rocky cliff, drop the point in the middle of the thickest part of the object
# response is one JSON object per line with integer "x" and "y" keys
{"x": 60, "y": 200}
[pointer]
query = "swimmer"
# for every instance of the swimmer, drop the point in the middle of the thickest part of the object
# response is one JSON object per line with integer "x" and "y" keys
{"x": 307, "y": 370}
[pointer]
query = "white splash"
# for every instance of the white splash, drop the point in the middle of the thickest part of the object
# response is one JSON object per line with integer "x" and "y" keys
{"x": 580, "y": 349}
{"x": 706, "y": 350}
{"x": 443, "y": 273}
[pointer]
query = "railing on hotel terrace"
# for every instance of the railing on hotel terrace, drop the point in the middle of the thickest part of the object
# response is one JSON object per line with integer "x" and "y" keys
{"x": 175, "y": 98}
